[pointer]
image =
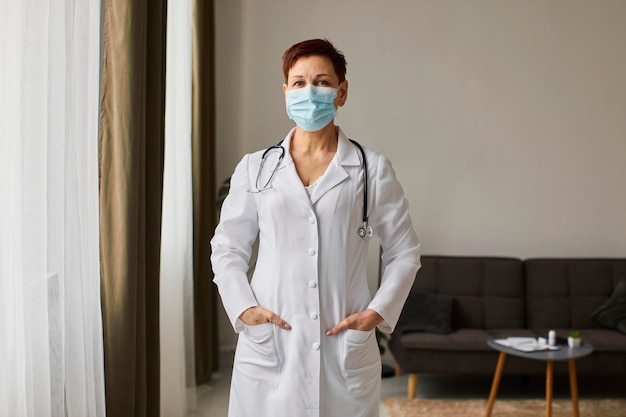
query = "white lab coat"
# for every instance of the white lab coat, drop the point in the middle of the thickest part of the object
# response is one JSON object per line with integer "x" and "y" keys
{"x": 311, "y": 271}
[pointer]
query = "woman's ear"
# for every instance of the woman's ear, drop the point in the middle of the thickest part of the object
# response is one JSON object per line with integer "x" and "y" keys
{"x": 342, "y": 93}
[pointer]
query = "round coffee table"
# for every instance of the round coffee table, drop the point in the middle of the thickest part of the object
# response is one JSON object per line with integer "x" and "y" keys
{"x": 564, "y": 353}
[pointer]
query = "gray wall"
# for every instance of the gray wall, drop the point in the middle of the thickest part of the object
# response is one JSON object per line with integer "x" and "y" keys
{"x": 505, "y": 120}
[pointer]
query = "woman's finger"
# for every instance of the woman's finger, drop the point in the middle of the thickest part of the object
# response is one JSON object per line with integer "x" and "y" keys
{"x": 279, "y": 322}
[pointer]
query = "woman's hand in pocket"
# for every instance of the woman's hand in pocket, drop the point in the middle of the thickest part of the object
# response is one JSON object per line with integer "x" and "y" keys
{"x": 365, "y": 320}
{"x": 259, "y": 315}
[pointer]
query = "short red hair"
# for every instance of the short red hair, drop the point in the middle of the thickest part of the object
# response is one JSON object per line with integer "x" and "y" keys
{"x": 320, "y": 47}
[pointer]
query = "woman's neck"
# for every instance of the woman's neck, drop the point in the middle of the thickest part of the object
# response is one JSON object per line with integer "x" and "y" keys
{"x": 323, "y": 140}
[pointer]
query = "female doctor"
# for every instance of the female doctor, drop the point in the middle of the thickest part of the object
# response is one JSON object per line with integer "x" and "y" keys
{"x": 306, "y": 318}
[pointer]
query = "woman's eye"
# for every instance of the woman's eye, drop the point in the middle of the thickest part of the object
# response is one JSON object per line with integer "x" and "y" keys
{"x": 323, "y": 83}
{"x": 297, "y": 84}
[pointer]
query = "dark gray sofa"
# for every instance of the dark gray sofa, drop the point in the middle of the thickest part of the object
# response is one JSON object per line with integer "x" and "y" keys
{"x": 458, "y": 303}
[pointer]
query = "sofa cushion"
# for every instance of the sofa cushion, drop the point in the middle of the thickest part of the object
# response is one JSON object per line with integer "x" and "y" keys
{"x": 604, "y": 340}
{"x": 488, "y": 292}
{"x": 612, "y": 313}
{"x": 564, "y": 293}
{"x": 459, "y": 340}
{"x": 426, "y": 313}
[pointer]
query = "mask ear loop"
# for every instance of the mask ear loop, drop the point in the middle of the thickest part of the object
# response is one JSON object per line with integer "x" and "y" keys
{"x": 365, "y": 231}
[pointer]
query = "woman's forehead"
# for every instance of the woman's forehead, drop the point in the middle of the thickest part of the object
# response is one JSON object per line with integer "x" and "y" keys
{"x": 316, "y": 65}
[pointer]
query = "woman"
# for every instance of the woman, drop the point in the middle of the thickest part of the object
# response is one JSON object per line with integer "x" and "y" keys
{"x": 306, "y": 319}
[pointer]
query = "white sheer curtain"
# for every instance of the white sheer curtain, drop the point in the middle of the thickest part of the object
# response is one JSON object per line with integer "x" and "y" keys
{"x": 176, "y": 305}
{"x": 51, "y": 359}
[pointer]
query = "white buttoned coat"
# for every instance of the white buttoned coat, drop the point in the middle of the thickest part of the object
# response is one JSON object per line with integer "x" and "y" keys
{"x": 310, "y": 271}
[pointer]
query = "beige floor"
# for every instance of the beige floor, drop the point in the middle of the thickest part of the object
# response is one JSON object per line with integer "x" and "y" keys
{"x": 213, "y": 397}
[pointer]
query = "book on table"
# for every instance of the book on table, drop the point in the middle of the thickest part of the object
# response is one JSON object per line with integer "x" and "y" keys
{"x": 526, "y": 344}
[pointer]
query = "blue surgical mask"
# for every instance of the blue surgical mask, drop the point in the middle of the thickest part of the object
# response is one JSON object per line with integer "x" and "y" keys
{"x": 311, "y": 107}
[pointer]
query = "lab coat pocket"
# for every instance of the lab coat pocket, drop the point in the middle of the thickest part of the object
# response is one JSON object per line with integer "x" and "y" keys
{"x": 257, "y": 356}
{"x": 361, "y": 359}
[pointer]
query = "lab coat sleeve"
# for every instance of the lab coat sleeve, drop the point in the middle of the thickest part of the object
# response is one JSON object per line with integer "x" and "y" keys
{"x": 231, "y": 246}
{"x": 392, "y": 223}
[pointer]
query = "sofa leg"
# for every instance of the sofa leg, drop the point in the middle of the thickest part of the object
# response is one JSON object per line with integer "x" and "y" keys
{"x": 412, "y": 386}
{"x": 397, "y": 369}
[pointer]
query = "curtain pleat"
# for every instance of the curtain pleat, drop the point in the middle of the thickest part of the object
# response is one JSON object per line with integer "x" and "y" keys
{"x": 204, "y": 195}
{"x": 132, "y": 100}
{"x": 178, "y": 374}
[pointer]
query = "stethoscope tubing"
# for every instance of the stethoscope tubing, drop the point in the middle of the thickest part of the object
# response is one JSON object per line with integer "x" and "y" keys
{"x": 365, "y": 231}
{"x": 365, "y": 180}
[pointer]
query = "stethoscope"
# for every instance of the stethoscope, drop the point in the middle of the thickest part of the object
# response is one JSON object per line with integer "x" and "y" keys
{"x": 364, "y": 231}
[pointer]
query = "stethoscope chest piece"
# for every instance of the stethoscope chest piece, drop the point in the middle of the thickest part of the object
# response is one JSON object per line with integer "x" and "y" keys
{"x": 365, "y": 231}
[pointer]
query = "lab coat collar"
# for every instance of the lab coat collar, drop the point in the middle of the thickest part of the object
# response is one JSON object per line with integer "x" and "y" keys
{"x": 347, "y": 153}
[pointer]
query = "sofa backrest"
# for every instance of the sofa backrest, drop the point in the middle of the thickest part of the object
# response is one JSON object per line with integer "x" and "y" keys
{"x": 564, "y": 293}
{"x": 488, "y": 292}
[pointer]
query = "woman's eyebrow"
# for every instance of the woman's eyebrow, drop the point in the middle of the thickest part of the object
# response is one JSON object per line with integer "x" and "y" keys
{"x": 317, "y": 76}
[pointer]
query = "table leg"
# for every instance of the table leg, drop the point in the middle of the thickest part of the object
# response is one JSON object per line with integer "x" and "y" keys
{"x": 549, "y": 384}
{"x": 573, "y": 383}
{"x": 496, "y": 383}
{"x": 412, "y": 386}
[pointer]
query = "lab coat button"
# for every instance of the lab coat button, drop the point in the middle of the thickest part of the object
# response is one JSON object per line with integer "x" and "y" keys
{"x": 313, "y": 316}
{"x": 312, "y": 220}
{"x": 315, "y": 346}
{"x": 312, "y": 284}
{"x": 311, "y": 251}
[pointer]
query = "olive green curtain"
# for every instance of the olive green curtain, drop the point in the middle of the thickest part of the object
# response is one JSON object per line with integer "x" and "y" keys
{"x": 132, "y": 101}
{"x": 204, "y": 194}
{"x": 132, "y": 115}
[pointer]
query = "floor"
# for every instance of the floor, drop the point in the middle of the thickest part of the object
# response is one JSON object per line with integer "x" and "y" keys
{"x": 212, "y": 398}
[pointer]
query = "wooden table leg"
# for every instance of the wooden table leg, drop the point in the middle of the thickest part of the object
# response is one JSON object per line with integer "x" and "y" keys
{"x": 412, "y": 385}
{"x": 549, "y": 384}
{"x": 496, "y": 383}
{"x": 573, "y": 384}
